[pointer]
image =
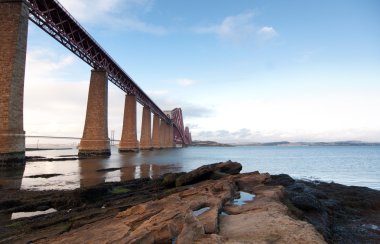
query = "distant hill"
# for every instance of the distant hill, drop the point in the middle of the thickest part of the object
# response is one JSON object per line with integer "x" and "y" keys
{"x": 337, "y": 143}
{"x": 209, "y": 144}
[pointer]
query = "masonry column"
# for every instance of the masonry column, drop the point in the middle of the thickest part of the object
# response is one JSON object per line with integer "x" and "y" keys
{"x": 166, "y": 135}
{"x": 146, "y": 135}
{"x": 162, "y": 134}
{"x": 156, "y": 132}
{"x": 13, "y": 39}
{"x": 171, "y": 136}
{"x": 95, "y": 141}
{"x": 128, "y": 141}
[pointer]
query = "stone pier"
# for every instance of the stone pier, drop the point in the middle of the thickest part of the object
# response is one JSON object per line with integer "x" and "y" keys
{"x": 171, "y": 136}
{"x": 162, "y": 134}
{"x": 156, "y": 132}
{"x": 167, "y": 127}
{"x": 13, "y": 40}
{"x": 95, "y": 141}
{"x": 146, "y": 135}
{"x": 128, "y": 142}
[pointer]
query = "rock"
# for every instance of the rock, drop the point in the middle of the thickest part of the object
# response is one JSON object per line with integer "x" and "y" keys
{"x": 206, "y": 172}
{"x": 306, "y": 201}
{"x": 296, "y": 187}
{"x": 192, "y": 230}
{"x": 249, "y": 180}
{"x": 173, "y": 219}
{"x": 337, "y": 211}
{"x": 315, "y": 192}
{"x": 229, "y": 167}
{"x": 281, "y": 179}
{"x": 169, "y": 179}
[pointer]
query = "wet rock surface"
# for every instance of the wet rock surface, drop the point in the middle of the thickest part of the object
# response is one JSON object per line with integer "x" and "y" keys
{"x": 343, "y": 214}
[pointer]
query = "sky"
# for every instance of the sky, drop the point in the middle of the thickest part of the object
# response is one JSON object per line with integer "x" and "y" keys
{"x": 242, "y": 71}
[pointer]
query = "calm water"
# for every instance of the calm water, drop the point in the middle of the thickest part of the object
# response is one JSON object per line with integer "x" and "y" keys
{"x": 349, "y": 165}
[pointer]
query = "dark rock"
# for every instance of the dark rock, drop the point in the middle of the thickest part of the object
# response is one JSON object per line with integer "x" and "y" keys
{"x": 281, "y": 179}
{"x": 340, "y": 213}
{"x": 9, "y": 204}
{"x": 315, "y": 192}
{"x": 229, "y": 167}
{"x": 169, "y": 179}
{"x": 306, "y": 201}
{"x": 296, "y": 187}
{"x": 210, "y": 171}
{"x": 107, "y": 170}
{"x": 43, "y": 176}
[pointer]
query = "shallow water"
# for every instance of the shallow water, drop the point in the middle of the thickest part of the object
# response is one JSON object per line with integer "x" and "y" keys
{"x": 350, "y": 165}
{"x": 200, "y": 211}
{"x": 243, "y": 198}
{"x": 18, "y": 215}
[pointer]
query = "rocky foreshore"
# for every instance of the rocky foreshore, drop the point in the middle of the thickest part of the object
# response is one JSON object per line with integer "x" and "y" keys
{"x": 212, "y": 204}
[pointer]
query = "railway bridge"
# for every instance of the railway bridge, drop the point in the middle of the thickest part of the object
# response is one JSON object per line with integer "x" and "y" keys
{"x": 167, "y": 131}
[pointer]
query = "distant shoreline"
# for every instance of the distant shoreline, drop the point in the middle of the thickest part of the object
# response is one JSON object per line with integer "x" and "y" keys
{"x": 47, "y": 149}
{"x": 284, "y": 143}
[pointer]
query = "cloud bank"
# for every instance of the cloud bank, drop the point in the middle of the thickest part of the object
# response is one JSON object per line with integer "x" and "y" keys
{"x": 239, "y": 28}
{"x": 124, "y": 15}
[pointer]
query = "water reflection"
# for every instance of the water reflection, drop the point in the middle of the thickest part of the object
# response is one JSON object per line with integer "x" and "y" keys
{"x": 346, "y": 165}
{"x": 11, "y": 178}
{"x": 90, "y": 172}
{"x": 122, "y": 167}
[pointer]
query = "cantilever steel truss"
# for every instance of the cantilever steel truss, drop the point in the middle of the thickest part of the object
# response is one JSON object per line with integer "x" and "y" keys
{"x": 55, "y": 20}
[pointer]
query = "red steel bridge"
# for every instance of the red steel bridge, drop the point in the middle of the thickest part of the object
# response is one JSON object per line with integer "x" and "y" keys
{"x": 55, "y": 20}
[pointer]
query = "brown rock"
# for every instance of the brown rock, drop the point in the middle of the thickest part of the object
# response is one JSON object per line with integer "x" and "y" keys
{"x": 179, "y": 218}
{"x": 210, "y": 171}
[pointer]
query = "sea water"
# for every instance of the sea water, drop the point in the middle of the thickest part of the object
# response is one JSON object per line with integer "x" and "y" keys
{"x": 349, "y": 165}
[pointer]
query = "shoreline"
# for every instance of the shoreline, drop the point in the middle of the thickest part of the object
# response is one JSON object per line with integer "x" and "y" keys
{"x": 319, "y": 203}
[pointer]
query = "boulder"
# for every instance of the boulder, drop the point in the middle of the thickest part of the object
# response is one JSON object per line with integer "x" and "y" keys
{"x": 206, "y": 172}
{"x": 305, "y": 201}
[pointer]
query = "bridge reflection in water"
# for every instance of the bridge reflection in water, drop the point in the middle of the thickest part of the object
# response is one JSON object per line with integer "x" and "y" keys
{"x": 73, "y": 174}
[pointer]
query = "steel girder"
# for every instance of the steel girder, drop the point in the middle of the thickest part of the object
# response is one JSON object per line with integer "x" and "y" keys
{"x": 178, "y": 121}
{"x": 55, "y": 20}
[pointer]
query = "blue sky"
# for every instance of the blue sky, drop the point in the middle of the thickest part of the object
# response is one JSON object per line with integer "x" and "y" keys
{"x": 241, "y": 70}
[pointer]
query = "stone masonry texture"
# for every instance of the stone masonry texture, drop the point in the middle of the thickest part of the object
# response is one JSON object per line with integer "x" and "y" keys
{"x": 162, "y": 134}
{"x": 128, "y": 140}
{"x": 156, "y": 132}
{"x": 95, "y": 139}
{"x": 13, "y": 42}
{"x": 146, "y": 135}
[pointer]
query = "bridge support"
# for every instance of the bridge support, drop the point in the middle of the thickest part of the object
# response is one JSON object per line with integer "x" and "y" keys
{"x": 167, "y": 135}
{"x": 146, "y": 135}
{"x": 171, "y": 137}
{"x": 95, "y": 141}
{"x": 13, "y": 40}
{"x": 162, "y": 134}
{"x": 128, "y": 142}
{"x": 156, "y": 132}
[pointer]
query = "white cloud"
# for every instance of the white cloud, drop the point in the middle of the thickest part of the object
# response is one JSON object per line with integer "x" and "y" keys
{"x": 55, "y": 102}
{"x": 239, "y": 28}
{"x": 246, "y": 135}
{"x": 39, "y": 62}
{"x": 120, "y": 14}
{"x": 157, "y": 93}
{"x": 267, "y": 32}
{"x": 134, "y": 24}
{"x": 185, "y": 82}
